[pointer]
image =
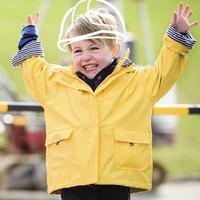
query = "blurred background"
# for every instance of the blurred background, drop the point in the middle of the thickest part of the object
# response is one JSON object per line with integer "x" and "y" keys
{"x": 146, "y": 21}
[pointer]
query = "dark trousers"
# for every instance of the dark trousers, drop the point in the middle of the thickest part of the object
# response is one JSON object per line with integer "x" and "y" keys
{"x": 96, "y": 192}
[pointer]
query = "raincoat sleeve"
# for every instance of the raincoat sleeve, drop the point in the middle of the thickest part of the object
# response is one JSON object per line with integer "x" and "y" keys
{"x": 33, "y": 65}
{"x": 169, "y": 65}
{"x": 36, "y": 72}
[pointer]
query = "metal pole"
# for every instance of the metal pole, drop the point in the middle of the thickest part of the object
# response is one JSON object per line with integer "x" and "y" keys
{"x": 146, "y": 32}
{"x": 170, "y": 109}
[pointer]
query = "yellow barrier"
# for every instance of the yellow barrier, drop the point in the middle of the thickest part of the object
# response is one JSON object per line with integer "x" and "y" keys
{"x": 3, "y": 106}
{"x": 176, "y": 109}
{"x": 165, "y": 109}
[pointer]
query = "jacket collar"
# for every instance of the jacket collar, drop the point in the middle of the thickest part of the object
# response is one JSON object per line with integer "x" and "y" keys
{"x": 69, "y": 78}
{"x": 95, "y": 82}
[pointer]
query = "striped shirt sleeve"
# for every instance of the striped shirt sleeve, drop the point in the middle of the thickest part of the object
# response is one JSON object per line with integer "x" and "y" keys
{"x": 28, "y": 34}
{"x": 184, "y": 38}
{"x": 33, "y": 48}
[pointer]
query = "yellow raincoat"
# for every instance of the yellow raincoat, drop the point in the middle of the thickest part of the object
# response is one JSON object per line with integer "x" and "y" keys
{"x": 101, "y": 137}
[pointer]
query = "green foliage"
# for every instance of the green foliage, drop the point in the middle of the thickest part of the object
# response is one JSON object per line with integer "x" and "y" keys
{"x": 12, "y": 17}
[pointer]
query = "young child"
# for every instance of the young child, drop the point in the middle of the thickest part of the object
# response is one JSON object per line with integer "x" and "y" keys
{"x": 98, "y": 111}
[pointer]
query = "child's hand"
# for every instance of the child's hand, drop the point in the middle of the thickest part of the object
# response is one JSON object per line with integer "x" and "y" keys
{"x": 33, "y": 19}
{"x": 180, "y": 19}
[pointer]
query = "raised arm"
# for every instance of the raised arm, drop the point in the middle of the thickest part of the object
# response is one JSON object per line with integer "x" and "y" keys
{"x": 172, "y": 59}
{"x": 30, "y": 57}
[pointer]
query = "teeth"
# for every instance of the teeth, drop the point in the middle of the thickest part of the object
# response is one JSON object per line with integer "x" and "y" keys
{"x": 90, "y": 67}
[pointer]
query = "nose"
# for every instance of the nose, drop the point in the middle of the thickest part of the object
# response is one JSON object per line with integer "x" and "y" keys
{"x": 86, "y": 56}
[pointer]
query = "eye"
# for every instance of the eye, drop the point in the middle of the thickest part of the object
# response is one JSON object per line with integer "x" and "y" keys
{"x": 77, "y": 51}
{"x": 94, "y": 48}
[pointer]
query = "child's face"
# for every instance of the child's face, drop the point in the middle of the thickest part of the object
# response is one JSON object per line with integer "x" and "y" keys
{"x": 91, "y": 56}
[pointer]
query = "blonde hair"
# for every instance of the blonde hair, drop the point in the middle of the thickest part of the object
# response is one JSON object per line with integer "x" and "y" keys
{"x": 94, "y": 21}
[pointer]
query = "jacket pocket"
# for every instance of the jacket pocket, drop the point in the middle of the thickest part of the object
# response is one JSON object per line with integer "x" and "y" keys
{"x": 59, "y": 148}
{"x": 132, "y": 149}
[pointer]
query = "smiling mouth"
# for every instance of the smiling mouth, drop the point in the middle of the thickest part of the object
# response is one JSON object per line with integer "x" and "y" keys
{"x": 90, "y": 67}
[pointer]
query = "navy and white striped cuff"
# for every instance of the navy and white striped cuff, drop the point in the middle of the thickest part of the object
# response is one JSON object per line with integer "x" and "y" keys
{"x": 34, "y": 48}
{"x": 183, "y": 38}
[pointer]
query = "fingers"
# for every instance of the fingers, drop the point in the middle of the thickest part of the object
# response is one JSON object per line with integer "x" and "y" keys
{"x": 194, "y": 24}
{"x": 180, "y": 20}
{"x": 188, "y": 15}
{"x": 37, "y": 16}
{"x": 174, "y": 19}
{"x": 186, "y": 11}
{"x": 29, "y": 20}
{"x": 180, "y": 9}
{"x": 33, "y": 19}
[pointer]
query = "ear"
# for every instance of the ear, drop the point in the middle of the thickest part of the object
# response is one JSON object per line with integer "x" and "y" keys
{"x": 116, "y": 50}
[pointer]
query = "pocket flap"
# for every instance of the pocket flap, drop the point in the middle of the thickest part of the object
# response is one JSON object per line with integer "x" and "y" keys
{"x": 132, "y": 136}
{"x": 57, "y": 136}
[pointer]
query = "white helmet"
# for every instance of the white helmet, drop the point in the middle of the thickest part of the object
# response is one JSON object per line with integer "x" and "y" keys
{"x": 69, "y": 18}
